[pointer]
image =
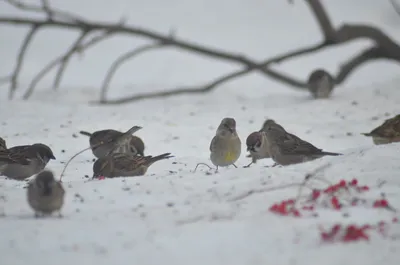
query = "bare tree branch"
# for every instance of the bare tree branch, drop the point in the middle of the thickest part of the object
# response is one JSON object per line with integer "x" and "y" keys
{"x": 396, "y": 6}
{"x": 75, "y": 48}
{"x": 59, "y": 59}
{"x": 323, "y": 19}
{"x": 20, "y": 60}
{"x": 51, "y": 12}
{"x": 369, "y": 54}
{"x": 385, "y": 47}
{"x": 121, "y": 60}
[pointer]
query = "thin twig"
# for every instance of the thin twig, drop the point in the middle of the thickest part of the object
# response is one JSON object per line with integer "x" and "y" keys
{"x": 69, "y": 161}
{"x": 308, "y": 177}
{"x": 44, "y": 8}
{"x": 262, "y": 190}
{"x": 75, "y": 48}
{"x": 396, "y": 6}
{"x": 56, "y": 61}
{"x": 20, "y": 60}
{"x": 121, "y": 60}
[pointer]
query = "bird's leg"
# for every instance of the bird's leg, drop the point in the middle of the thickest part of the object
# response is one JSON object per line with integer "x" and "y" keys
{"x": 204, "y": 164}
{"x": 60, "y": 215}
{"x": 248, "y": 165}
{"x": 234, "y": 165}
{"x": 216, "y": 170}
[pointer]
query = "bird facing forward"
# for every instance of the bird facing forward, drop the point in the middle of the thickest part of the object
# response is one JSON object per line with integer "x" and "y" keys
{"x": 257, "y": 146}
{"x": 45, "y": 194}
{"x": 124, "y": 165}
{"x": 287, "y": 149}
{"x": 387, "y": 132}
{"x": 21, "y": 162}
{"x": 106, "y": 142}
{"x": 226, "y": 146}
{"x": 320, "y": 83}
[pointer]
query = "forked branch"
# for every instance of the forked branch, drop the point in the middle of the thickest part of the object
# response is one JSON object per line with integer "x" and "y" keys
{"x": 384, "y": 47}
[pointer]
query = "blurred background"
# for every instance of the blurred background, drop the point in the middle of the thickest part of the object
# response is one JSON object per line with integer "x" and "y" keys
{"x": 254, "y": 28}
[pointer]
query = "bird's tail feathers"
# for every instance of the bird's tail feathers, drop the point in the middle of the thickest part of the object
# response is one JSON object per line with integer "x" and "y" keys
{"x": 331, "y": 153}
{"x": 159, "y": 157}
{"x": 85, "y": 133}
{"x": 126, "y": 135}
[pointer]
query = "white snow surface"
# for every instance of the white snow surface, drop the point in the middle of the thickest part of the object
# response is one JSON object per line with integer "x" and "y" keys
{"x": 173, "y": 215}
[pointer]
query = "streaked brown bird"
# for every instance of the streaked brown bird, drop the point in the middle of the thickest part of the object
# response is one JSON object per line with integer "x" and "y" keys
{"x": 21, "y": 162}
{"x": 45, "y": 194}
{"x": 124, "y": 165}
{"x": 257, "y": 146}
{"x": 287, "y": 149}
{"x": 106, "y": 142}
{"x": 320, "y": 83}
{"x": 387, "y": 132}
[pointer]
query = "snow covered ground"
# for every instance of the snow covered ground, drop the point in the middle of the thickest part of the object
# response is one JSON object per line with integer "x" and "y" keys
{"x": 175, "y": 216}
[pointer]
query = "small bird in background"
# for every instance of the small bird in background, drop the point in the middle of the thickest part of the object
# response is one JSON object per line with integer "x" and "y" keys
{"x": 3, "y": 145}
{"x": 320, "y": 84}
{"x": 226, "y": 146}
{"x": 287, "y": 149}
{"x": 387, "y": 132}
{"x": 24, "y": 161}
{"x": 106, "y": 142}
{"x": 45, "y": 194}
{"x": 124, "y": 165}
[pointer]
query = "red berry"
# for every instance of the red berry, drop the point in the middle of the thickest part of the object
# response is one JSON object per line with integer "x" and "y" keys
{"x": 395, "y": 220}
{"x": 291, "y": 201}
{"x": 296, "y": 213}
{"x": 342, "y": 183}
{"x": 363, "y": 188}
{"x": 315, "y": 194}
{"x": 335, "y": 203}
{"x": 354, "y": 182}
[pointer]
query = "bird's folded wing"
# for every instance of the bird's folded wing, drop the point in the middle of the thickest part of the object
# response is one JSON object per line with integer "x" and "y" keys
{"x": 13, "y": 157}
{"x": 293, "y": 145}
{"x": 128, "y": 162}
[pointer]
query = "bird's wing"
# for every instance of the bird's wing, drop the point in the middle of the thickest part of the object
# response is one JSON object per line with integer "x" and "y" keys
{"x": 212, "y": 144}
{"x": 293, "y": 145}
{"x": 14, "y": 157}
{"x": 104, "y": 136}
{"x": 389, "y": 129}
{"x": 127, "y": 162}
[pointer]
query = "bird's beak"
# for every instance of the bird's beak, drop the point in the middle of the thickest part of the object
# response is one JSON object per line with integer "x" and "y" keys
{"x": 52, "y": 157}
{"x": 229, "y": 128}
{"x": 250, "y": 148}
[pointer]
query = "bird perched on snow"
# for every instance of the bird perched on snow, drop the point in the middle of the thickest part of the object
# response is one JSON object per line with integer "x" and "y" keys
{"x": 226, "y": 146}
{"x": 257, "y": 144}
{"x": 3, "y": 145}
{"x": 45, "y": 194}
{"x": 105, "y": 142}
{"x": 286, "y": 148}
{"x": 124, "y": 165}
{"x": 387, "y": 132}
{"x": 24, "y": 161}
{"x": 320, "y": 83}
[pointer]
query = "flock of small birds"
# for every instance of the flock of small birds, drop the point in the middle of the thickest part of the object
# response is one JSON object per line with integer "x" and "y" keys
{"x": 121, "y": 154}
